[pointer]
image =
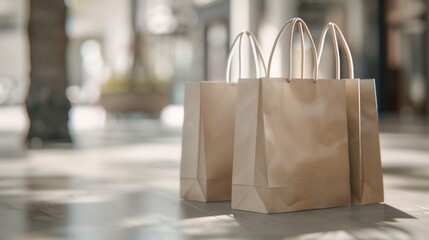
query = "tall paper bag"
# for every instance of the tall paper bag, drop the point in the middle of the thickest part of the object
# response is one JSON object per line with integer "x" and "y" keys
{"x": 366, "y": 176}
{"x": 208, "y": 135}
{"x": 291, "y": 150}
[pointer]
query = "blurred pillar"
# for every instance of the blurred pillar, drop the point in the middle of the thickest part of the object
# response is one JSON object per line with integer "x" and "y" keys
{"x": 117, "y": 36}
{"x": 387, "y": 101}
{"x": 47, "y": 104}
{"x": 427, "y": 60}
{"x": 276, "y": 13}
{"x": 244, "y": 15}
{"x": 137, "y": 68}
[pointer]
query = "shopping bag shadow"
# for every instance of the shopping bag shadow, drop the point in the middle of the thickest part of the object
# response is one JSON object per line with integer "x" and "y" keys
{"x": 343, "y": 222}
{"x": 194, "y": 209}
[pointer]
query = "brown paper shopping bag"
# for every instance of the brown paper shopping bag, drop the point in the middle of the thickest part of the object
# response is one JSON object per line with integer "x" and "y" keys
{"x": 291, "y": 150}
{"x": 208, "y": 135}
{"x": 366, "y": 176}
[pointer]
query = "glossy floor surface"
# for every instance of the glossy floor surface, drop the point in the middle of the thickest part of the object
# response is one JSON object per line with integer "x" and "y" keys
{"x": 123, "y": 183}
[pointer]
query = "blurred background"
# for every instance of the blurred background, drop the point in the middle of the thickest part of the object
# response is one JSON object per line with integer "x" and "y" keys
{"x": 81, "y": 67}
{"x": 98, "y": 85}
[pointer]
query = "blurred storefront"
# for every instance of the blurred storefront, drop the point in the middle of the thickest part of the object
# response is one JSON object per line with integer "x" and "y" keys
{"x": 136, "y": 55}
{"x": 405, "y": 85}
{"x": 388, "y": 40}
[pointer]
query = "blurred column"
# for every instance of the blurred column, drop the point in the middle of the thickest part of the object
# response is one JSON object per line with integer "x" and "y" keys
{"x": 47, "y": 104}
{"x": 264, "y": 19}
{"x": 244, "y": 15}
{"x": 117, "y": 36}
{"x": 427, "y": 61}
{"x": 277, "y": 13}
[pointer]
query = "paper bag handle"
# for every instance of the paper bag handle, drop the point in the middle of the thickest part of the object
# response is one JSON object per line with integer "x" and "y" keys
{"x": 301, "y": 23}
{"x": 336, "y": 32}
{"x": 256, "y": 50}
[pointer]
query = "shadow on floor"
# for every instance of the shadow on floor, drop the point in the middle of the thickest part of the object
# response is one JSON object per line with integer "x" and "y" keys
{"x": 353, "y": 222}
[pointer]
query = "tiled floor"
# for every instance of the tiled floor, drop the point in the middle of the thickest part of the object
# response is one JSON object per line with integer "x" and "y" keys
{"x": 106, "y": 190}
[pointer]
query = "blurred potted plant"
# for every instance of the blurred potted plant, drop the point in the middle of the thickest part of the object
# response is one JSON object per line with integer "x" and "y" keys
{"x": 137, "y": 91}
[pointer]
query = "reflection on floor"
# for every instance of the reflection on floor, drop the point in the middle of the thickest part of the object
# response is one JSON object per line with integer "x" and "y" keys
{"x": 106, "y": 190}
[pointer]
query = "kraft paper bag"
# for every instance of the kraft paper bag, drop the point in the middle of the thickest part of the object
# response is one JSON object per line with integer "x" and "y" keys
{"x": 366, "y": 176}
{"x": 207, "y": 141}
{"x": 208, "y": 136}
{"x": 291, "y": 149}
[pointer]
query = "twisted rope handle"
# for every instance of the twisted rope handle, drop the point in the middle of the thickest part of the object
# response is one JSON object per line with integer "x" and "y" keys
{"x": 301, "y": 25}
{"x": 336, "y": 32}
{"x": 256, "y": 50}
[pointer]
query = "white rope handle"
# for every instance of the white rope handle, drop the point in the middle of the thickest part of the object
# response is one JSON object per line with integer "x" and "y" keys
{"x": 302, "y": 51}
{"x": 256, "y": 50}
{"x": 336, "y": 32}
{"x": 301, "y": 25}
